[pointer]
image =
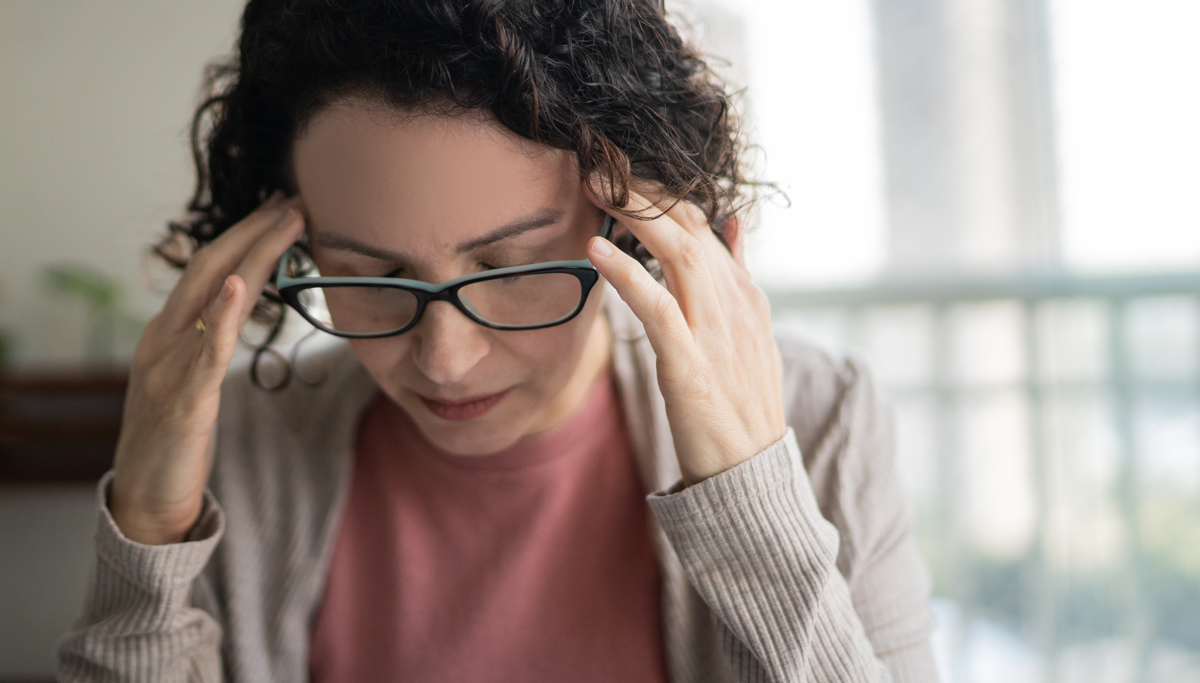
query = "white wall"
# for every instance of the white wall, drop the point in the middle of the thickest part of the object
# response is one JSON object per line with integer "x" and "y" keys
{"x": 95, "y": 99}
{"x": 94, "y": 104}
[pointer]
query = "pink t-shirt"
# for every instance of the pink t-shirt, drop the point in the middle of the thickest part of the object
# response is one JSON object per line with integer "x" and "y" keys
{"x": 532, "y": 564}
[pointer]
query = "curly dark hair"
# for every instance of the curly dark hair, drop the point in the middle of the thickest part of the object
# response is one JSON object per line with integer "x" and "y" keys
{"x": 610, "y": 80}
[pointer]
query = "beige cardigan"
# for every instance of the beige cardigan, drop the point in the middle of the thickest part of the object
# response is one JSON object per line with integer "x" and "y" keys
{"x": 784, "y": 568}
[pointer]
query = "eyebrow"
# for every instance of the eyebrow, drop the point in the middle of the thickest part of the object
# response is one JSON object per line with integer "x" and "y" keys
{"x": 520, "y": 226}
{"x": 509, "y": 230}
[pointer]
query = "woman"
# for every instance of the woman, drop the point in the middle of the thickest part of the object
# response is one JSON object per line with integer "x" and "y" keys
{"x": 463, "y": 496}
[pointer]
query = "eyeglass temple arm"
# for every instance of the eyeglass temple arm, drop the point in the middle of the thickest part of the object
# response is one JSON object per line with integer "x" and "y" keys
{"x": 610, "y": 224}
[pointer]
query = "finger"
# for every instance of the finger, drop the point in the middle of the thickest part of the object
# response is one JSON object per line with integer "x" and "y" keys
{"x": 666, "y": 239}
{"x": 692, "y": 219}
{"x": 221, "y": 326}
{"x": 210, "y": 264}
{"x": 256, "y": 268}
{"x": 651, "y": 303}
{"x": 684, "y": 258}
{"x": 688, "y": 216}
{"x": 678, "y": 236}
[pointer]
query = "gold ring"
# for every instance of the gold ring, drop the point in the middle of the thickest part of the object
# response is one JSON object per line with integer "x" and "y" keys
{"x": 200, "y": 324}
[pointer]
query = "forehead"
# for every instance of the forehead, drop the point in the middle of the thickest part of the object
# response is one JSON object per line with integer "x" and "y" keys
{"x": 380, "y": 174}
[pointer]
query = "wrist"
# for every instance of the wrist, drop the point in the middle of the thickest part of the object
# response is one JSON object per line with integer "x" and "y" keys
{"x": 142, "y": 525}
{"x": 719, "y": 457}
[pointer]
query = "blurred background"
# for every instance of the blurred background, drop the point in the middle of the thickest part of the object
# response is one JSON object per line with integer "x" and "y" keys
{"x": 995, "y": 202}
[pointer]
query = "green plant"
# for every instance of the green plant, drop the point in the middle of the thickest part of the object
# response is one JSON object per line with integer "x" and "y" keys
{"x": 101, "y": 294}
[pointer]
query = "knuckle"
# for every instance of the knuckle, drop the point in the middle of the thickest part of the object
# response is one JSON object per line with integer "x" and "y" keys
{"x": 661, "y": 304}
{"x": 199, "y": 370}
{"x": 210, "y": 350}
{"x": 691, "y": 252}
{"x": 758, "y": 300}
{"x": 157, "y": 388}
{"x": 629, "y": 271}
{"x": 142, "y": 356}
{"x": 216, "y": 352}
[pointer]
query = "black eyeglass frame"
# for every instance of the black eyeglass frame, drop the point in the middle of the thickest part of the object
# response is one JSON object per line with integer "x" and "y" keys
{"x": 425, "y": 293}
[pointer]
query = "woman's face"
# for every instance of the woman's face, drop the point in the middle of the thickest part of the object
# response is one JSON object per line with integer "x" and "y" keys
{"x": 433, "y": 197}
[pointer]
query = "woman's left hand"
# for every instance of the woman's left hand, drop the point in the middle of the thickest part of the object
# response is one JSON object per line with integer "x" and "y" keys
{"x": 718, "y": 365}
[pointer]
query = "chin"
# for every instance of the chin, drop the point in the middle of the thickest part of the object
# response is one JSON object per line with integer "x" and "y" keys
{"x": 490, "y": 433}
{"x": 477, "y": 437}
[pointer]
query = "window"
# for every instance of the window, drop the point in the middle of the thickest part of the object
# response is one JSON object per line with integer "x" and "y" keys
{"x": 996, "y": 203}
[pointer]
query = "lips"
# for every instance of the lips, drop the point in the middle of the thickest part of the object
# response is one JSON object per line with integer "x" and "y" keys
{"x": 466, "y": 409}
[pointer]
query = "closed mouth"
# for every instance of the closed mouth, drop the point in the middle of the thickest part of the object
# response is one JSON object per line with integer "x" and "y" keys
{"x": 463, "y": 409}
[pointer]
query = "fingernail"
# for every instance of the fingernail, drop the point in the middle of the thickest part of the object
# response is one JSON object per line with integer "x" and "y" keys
{"x": 287, "y": 218}
{"x": 226, "y": 291}
{"x": 602, "y": 246}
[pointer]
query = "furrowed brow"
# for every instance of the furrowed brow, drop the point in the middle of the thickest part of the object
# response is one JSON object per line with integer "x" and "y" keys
{"x": 332, "y": 240}
{"x": 541, "y": 219}
{"x": 520, "y": 226}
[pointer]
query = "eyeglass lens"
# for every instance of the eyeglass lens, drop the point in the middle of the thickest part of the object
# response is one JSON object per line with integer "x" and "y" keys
{"x": 519, "y": 300}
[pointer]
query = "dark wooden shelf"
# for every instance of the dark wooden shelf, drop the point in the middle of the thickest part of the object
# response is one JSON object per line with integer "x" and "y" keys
{"x": 59, "y": 426}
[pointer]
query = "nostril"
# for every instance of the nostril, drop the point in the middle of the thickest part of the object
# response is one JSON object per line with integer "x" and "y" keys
{"x": 449, "y": 344}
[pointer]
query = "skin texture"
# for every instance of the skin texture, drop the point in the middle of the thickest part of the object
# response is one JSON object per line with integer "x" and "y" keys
{"x": 461, "y": 178}
{"x": 718, "y": 366}
{"x": 386, "y": 193}
{"x": 164, "y": 452}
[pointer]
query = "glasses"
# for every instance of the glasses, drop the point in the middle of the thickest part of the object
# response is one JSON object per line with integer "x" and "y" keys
{"x": 519, "y": 298}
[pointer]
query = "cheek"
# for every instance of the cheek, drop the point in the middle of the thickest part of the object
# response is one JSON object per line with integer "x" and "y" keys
{"x": 543, "y": 352}
{"x": 552, "y": 355}
{"x": 382, "y": 357}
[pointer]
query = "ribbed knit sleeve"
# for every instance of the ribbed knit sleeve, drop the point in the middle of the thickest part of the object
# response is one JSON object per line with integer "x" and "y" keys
{"x": 137, "y": 624}
{"x": 755, "y": 546}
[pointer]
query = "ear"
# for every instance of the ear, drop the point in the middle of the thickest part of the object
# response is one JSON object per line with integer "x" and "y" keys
{"x": 732, "y": 233}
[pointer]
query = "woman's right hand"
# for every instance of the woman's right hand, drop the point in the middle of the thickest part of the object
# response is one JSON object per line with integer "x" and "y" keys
{"x": 164, "y": 452}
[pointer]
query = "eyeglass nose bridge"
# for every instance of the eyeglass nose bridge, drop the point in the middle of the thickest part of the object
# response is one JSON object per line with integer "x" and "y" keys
{"x": 291, "y": 285}
{"x": 448, "y": 295}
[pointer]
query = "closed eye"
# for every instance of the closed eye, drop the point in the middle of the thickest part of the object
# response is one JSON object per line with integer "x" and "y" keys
{"x": 508, "y": 280}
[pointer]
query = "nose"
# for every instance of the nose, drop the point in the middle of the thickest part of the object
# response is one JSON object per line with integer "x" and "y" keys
{"x": 449, "y": 344}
